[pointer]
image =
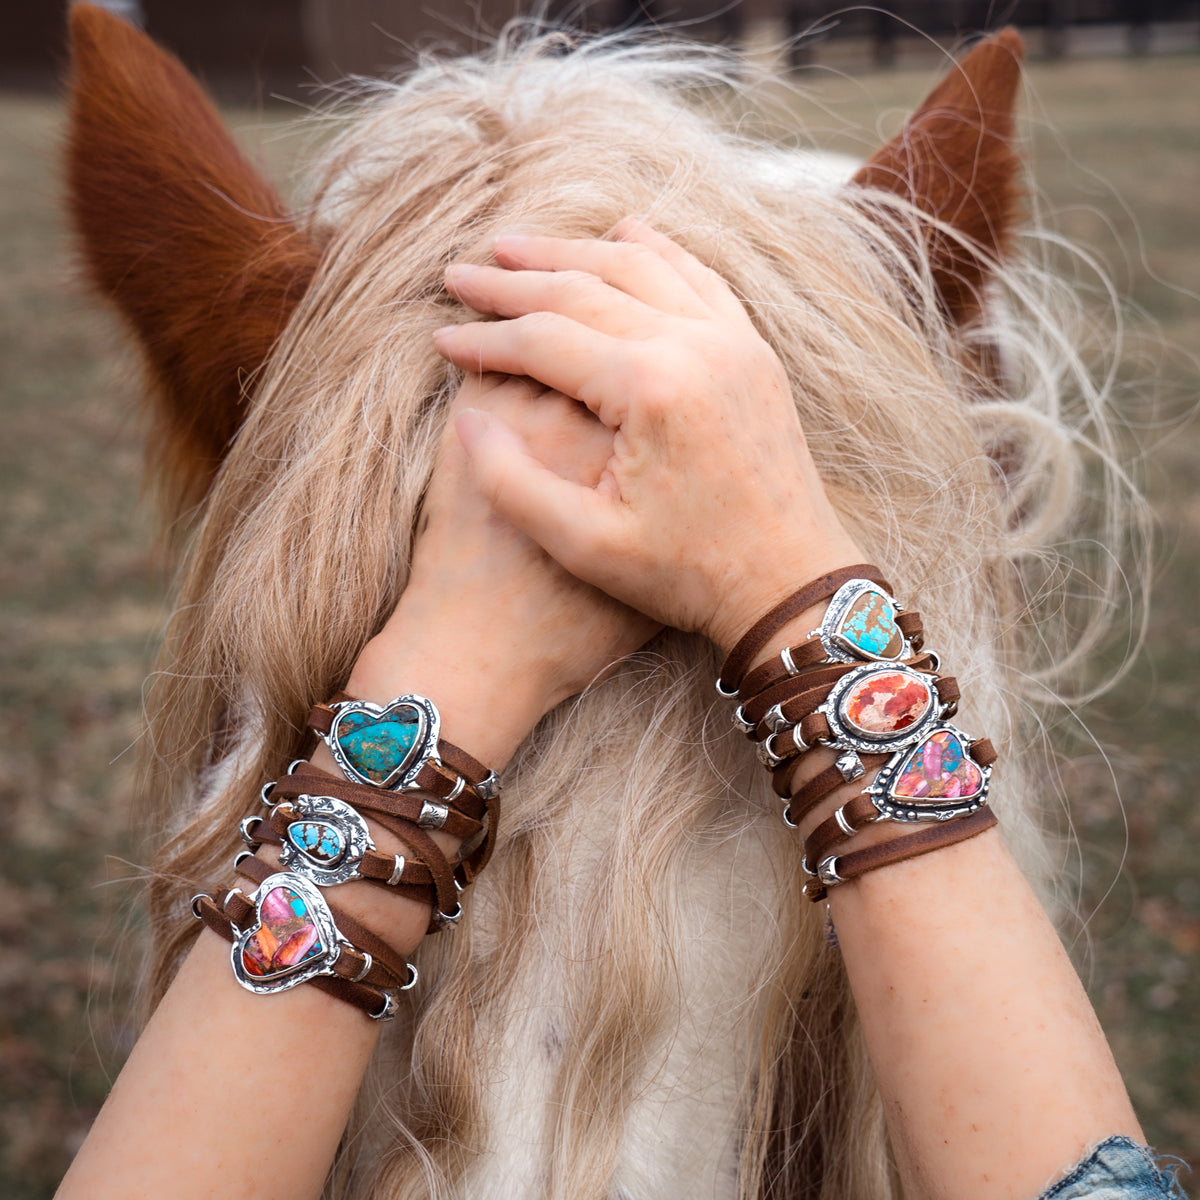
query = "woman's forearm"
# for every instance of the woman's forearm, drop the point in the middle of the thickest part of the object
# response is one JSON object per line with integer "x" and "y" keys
{"x": 230, "y": 1093}
{"x": 992, "y": 1067}
{"x": 994, "y": 1072}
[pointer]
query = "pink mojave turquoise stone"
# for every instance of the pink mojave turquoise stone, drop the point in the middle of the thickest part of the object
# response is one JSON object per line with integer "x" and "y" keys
{"x": 286, "y": 935}
{"x": 939, "y": 769}
{"x": 886, "y": 702}
{"x": 869, "y": 625}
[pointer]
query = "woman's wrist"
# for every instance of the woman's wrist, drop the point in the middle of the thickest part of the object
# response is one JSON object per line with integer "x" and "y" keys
{"x": 761, "y": 589}
{"x": 487, "y": 704}
{"x": 488, "y": 693}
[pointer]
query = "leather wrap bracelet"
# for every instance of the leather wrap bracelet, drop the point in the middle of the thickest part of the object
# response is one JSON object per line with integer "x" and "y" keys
{"x": 863, "y": 685}
{"x": 400, "y": 774}
{"x": 771, "y": 622}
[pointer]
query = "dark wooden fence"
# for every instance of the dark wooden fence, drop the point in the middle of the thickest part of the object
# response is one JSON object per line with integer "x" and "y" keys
{"x": 256, "y": 47}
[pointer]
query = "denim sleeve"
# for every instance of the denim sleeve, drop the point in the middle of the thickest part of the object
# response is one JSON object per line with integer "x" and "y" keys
{"x": 1118, "y": 1169}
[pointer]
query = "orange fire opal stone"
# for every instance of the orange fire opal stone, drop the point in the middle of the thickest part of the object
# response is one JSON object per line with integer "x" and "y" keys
{"x": 886, "y": 703}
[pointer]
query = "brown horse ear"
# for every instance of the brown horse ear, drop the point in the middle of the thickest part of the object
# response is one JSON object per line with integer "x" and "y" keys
{"x": 182, "y": 233}
{"x": 954, "y": 160}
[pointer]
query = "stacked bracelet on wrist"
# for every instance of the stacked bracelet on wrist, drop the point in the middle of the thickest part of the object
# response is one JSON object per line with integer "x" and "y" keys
{"x": 405, "y": 779}
{"x": 861, "y": 685}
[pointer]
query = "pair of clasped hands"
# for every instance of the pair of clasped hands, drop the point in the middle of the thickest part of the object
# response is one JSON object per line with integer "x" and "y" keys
{"x": 624, "y": 453}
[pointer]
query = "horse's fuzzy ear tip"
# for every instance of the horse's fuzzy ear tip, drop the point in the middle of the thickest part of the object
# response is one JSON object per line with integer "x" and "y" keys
{"x": 1009, "y": 39}
{"x": 90, "y": 25}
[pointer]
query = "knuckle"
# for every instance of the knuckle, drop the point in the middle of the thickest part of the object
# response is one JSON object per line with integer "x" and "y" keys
{"x": 535, "y": 327}
{"x": 633, "y": 256}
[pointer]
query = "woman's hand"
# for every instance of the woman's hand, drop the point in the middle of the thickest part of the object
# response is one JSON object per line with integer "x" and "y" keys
{"x": 708, "y": 508}
{"x": 511, "y": 631}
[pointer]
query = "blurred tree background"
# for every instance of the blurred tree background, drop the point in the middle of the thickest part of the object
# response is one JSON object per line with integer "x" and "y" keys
{"x": 1114, "y": 142}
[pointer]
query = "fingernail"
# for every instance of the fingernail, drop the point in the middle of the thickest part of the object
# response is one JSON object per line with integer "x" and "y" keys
{"x": 457, "y": 272}
{"x": 510, "y": 241}
{"x": 444, "y": 332}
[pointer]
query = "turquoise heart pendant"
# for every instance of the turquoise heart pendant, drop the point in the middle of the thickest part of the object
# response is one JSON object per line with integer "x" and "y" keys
{"x": 860, "y": 624}
{"x": 384, "y": 745}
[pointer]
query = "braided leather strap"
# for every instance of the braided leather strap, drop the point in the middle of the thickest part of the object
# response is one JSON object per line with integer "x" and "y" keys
{"x": 734, "y": 669}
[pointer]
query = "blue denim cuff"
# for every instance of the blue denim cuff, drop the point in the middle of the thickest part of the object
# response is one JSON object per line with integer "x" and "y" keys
{"x": 1118, "y": 1169}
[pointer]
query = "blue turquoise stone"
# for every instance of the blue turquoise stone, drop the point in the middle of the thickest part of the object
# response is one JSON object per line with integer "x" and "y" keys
{"x": 870, "y": 626}
{"x": 376, "y": 746}
{"x": 316, "y": 840}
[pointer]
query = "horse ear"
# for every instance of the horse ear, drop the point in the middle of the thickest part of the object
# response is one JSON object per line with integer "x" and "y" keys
{"x": 181, "y": 232}
{"x": 954, "y": 160}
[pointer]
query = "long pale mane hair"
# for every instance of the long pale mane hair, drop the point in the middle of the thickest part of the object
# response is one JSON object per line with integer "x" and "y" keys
{"x": 637, "y": 831}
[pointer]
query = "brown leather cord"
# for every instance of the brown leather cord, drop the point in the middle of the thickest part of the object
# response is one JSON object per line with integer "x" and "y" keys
{"x": 320, "y": 720}
{"x": 860, "y": 862}
{"x": 790, "y": 685}
{"x": 359, "y": 936}
{"x": 857, "y": 813}
{"x": 862, "y": 810}
{"x": 798, "y": 709}
{"x": 794, "y": 709}
{"x": 733, "y": 671}
{"x": 470, "y": 769}
{"x": 811, "y": 653}
{"x": 823, "y": 785}
{"x": 815, "y": 730}
{"x": 309, "y": 779}
{"x": 414, "y": 882}
{"x": 983, "y": 752}
{"x": 820, "y": 678}
{"x": 378, "y": 799}
{"x": 370, "y": 1000}
{"x": 404, "y": 805}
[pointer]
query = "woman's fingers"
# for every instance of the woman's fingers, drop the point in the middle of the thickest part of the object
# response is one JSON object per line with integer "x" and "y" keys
{"x": 583, "y": 297}
{"x": 566, "y": 519}
{"x": 704, "y": 282}
{"x": 631, "y": 268}
{"x": 553, "y": 349}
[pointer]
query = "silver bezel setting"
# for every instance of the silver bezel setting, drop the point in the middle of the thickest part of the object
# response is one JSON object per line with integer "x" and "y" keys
{"x": 841, "y": 649}
{"x": 327, "y": 930}
{"x": 423, "y": 750}
{"x": 893, "y": 809}
{"x": 846, "y": 738}
{"x": 356, "y": 838}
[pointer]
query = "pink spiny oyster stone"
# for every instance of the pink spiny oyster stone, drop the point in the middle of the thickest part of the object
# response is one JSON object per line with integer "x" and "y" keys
{"x": 286, "y": 936}
{"x": 938, "y": 769}
{"x": 886, "y": 703}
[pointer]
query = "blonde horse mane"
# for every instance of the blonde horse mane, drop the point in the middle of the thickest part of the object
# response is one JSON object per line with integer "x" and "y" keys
{"x": 638, "y": 1002}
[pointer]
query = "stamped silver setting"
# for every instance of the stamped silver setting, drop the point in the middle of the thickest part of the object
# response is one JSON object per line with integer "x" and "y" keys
{"x": 906, "y": 808}
{"x": 423, "y": 750}
{"x": 351, "y": 831}
{"x": 842, "y": 649}
{"x": 850, "y": 736}
{"x": 308, "y": 968}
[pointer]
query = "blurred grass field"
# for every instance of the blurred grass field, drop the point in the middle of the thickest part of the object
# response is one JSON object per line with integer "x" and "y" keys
{"x": 1116, "y": 148}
